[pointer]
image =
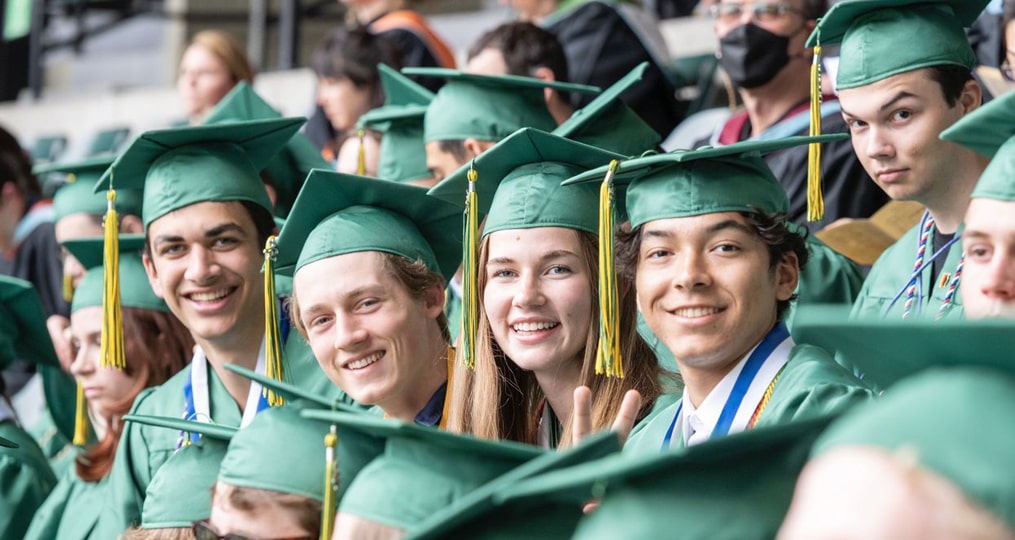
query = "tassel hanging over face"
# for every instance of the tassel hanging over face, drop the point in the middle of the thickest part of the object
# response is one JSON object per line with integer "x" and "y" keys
{"x": 111, "y": 343}
{"x": 608, "y": 357}
{"x": 68, "y": 288}
{"x": 470, "y": 248}
{"x": 81, "y": 418}
{"x": 272, "y": 335}
{"x": 815, "y": 200}
{"x": 361, "y": 157}
{"x": 330, "y": 505}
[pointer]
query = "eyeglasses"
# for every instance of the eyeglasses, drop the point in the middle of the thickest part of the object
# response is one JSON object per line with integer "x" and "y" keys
{"x": 204, "y": 531}
{"x": 765, "y": 12}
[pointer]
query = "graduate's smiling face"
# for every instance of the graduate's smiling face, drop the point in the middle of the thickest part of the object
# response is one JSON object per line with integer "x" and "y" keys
{"x": 104, "y": 388}
{"x": 895, "y": 123}
{"x": 537, "y": 297}
{"x": 706, "y": 288}
{"x": 988, "y": 275}
{"x": 369, "y": 334}
{"x": 205, "y": 261}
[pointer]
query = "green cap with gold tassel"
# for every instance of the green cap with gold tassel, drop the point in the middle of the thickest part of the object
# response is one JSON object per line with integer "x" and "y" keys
{"x": 81, "y": 423}
{"x": 608, "y": 358}
{"x": 274, "y": 357}
{"x": 521, "y": 190}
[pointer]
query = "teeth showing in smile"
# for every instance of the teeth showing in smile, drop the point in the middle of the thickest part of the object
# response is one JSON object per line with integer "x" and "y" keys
{"x": 209, "y": 296}
{"x": 362, "y": 363}
{"x": 695, "y": 312}
{"x": 533, "y": 326}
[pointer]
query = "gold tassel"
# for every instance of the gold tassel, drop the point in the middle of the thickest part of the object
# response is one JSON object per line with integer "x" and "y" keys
{"x": 81, "y": 418}
{"x": 329, "y": 507}
{"x": 272, "y": 335}
{"x": 470, "y": 247}
{"x": 68, "y": 288}
{"x": 111, "y": 354}
{"x": 815, "y": 201}
{"x": 361, "y": 158}
{"x": 608, "y": 357}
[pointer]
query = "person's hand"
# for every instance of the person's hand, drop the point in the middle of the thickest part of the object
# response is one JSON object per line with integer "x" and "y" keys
{"x": 59, "y": 333}
{"x": 581, "y": 414}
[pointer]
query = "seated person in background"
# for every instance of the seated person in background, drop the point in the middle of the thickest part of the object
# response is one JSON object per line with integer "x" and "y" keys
{"x": 27, "y": 478}
{"x": 156, "y": 346}
{"x": 522, "y": 48}
{"x": 212, "y": 64}
{"x": 715, "y": 267}
{"x": 603, "y": 40}
{"x": 28, "y": 248}
{"x": 761, "y": 49}
{"x": 348, "y": 85}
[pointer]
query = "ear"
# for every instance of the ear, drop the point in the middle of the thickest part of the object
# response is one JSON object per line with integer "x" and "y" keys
{"x": 433, "y": 302}
{"x": 971, "y": 97}
{"x": 131, "y": 224}
{"x": 787, "y": 276}
{"x": 473, "y": 146}
{"x": 272, "y": 194}
{"x": 153, "y": 275}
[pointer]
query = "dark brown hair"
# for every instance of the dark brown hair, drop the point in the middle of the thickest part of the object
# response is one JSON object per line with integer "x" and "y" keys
{"x": 353, "y": 53}
{"x": 307, "y": 511}
{"x": 525, "y": 47}
{"x": 16, "y": 166}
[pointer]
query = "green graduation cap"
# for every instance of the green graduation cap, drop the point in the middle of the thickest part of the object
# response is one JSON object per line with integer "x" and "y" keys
{"x": 77, "y": 195}
{"x": 990, "y": 130}
{"x": 886, "y": 352}
{"x": 952, "y": 419}
{"x": 877, "y": 36}
{"x": 7, "y": 443}
{"x": 606, "y": 122}
{"x": 487, "y": 107}
{"x": 180, "y": 492}
{"x": 135, "y": 289}
{"x": 287, "y": 169}
{"x": 708, "y": 180}
{"x": 423, "y": 469}
{"x": 402, "y": 153}
{"x": 23, "y": 334}
{"x": 338, "y": 213}
{"x": 484, "y": 514}
{"x": 293, "y": 392}
{"x": 735, "y": 487}
{"x": 184, "y": 166}
{"x": 518, "y": 185}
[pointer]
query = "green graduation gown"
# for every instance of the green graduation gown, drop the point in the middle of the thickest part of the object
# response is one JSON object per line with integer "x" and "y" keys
{"x": 892, "y": 271}
{"x": 143, "y": 449}
{"x": 71, "y": 511}
{"x": 25, "y": 480}
{"x": 811, "y": 384}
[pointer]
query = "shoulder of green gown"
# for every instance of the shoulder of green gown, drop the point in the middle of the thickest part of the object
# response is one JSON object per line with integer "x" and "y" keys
{"x": 812, "y": 384}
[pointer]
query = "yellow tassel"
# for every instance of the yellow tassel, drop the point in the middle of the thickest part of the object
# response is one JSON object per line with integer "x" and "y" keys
{"x": 815, "y": 201}
{"x": 111, "y": 354}
{"x": 81, "y": 418}
{"x": 272, "y": 335}
{"x": 329, "y": 507}
{"x": 470, "y": 247}
{"x": 361, "y": 159}
{"x": 608, "y": 357}
{"x": 68, "y": 288}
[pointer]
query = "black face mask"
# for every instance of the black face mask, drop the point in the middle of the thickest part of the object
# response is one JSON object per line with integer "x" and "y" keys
{"x": 753, "y": 56}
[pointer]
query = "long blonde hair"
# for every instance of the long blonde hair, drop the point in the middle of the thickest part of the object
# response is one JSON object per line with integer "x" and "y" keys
{"x": 499, "y": 400}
